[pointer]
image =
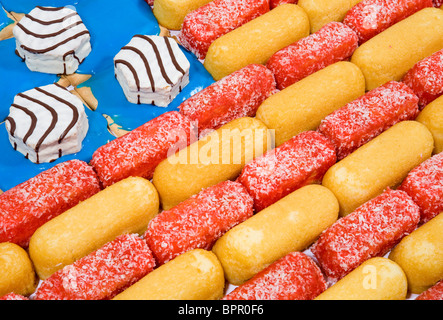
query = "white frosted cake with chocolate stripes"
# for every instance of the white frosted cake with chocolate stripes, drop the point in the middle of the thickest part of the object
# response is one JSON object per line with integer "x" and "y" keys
{"x": 46, "y": 123}
{"x": 151, "y": 70}
{"x": 52, "y": 40}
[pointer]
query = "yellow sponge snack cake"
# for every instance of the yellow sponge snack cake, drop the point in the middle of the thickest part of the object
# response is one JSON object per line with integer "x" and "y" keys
{"x": 257, "y": 40}
{"x": 291, "y": 224}
{"x": 321, "y": 12}
{"x": 382, "y": 162}
{"x": 171, "y": 13}
{"x": 301, "y": 106}
{"x": 16, "y": 271}
{"x": 392, "y": 53}
{"x": 375, "y": 279}
{"x": 194, "y": 275}
{"x": 432, "y": 117}
{"x": 216, "y": 157}
{"x": 420, "y": 255}
{"x": 125, "y": 207}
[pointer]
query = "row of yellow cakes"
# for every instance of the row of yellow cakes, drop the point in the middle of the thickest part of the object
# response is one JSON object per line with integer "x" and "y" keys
{"x": 354, "y": 172}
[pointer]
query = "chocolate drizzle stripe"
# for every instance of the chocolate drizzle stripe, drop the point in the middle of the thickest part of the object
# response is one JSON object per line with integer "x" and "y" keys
{"x": 18, "y": 54}
{"x": 47, "y": 23}
{"x": 158, "y": 56}
{"x": 73, "y": 54}
{"x": 146, "y": 63}
{"x": 50, "y": 8}
{"x": 49, "y": 35}
{"x": 39, "y": 51}
{"x": 60, "y": 86}
{"x": 33, "y": 120}
{"x": 172, "y": 55}
{"x": 75, "y": 114}
{"x": 130, "y": 67}
{"x": 13, "y": 125}
{"x": 53, "y": 122}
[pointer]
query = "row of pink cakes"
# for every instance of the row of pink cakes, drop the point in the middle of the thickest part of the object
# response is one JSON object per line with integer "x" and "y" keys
{"x": 383, "y": 134}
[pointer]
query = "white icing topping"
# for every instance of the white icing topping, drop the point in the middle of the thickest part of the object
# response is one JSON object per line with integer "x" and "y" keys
{"x": 151, "y": 70}
{"x": 47, "y": 122}
{"x": 52, "y": 40}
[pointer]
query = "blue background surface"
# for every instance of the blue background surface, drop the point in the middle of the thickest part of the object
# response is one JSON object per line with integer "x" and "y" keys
{"x": 112, "y": 25}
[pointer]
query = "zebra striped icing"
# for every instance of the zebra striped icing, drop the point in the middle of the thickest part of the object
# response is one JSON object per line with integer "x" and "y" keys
{"x": 151, "y": 70}
{"x": 46, "y": 123}
{"x": 52, "y": 40}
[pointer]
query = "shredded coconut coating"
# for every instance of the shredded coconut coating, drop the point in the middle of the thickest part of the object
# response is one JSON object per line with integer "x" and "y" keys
{"x": 437, "y": 3}
{"x": 424, "y": 185}
{"x": 199, "y": 221}
{"x": 426, "y": 78}
{"x": 276, "y": 3}
{"x": 204, "y": 25}
{"x": 293, "y": 277}
{"x": 433, "y": 293}
{"x": 332, "y": 43}
{"x": 150, "y": 2}
{"x": 302, "y": 160}
{"x": 102, "y": 274}
{"x": 13, "y": 296}
{"x": 361, "y": 120}
{"x": 370, "y": 17}
{"x": 138, "y": 152}
{"x": 27, "y": 206}
{"x": 237, "y": 95}
{"x": 370, "y": 231}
